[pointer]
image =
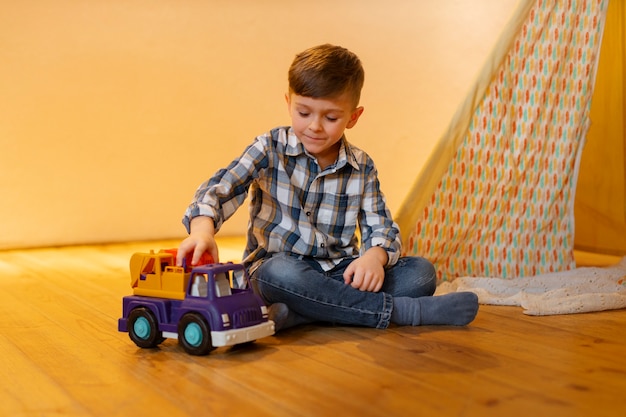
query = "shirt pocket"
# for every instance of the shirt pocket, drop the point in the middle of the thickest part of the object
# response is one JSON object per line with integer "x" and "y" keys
{"x": 338, "y": 213}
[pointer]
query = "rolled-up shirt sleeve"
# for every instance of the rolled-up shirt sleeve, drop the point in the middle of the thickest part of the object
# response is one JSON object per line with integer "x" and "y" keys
{"x": 221, "y": 195}
{"x": 376, "y": 224}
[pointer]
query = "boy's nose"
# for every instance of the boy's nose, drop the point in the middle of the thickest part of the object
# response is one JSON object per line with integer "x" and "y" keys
{"x": 315, "y": 125}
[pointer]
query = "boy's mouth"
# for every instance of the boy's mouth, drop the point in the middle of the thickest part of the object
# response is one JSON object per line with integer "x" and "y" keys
{"x": 313, "y": 138}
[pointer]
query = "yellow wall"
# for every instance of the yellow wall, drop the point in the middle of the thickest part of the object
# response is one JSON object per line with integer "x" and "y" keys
{"x": 600, "y": 206}
{"x": 113, "y": 111}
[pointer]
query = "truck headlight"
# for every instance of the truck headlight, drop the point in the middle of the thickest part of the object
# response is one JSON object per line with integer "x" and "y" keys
{"x": 225, "y": 320}
{"x": 264, "y": 311}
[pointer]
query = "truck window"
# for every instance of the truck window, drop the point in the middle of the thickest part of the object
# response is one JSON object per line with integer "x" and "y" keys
{"x": 147, "y": 269}
{"x": 199, "y": 285}
{"x": 239, "y": 281}
{"x": 222, "y": 284}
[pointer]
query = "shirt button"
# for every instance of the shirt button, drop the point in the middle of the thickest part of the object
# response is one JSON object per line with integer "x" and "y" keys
{"x": 322, "y": 245}
{"x": 308, "y": 213}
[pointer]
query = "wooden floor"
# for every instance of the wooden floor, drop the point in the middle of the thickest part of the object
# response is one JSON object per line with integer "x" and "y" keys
{"x": 61, "y": 355}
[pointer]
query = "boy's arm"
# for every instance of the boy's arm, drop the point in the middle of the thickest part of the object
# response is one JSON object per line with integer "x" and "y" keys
{"x": 378, "y": 229}
{"x": 201, "y": 239}
{"x": 217, "y": 199}
{"x": 380, "y": 238}
{"x": 222, "y": 194}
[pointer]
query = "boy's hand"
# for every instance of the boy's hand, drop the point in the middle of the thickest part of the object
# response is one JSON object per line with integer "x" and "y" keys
{"x": 367, "y": 273}
{"x": 201, "y": 239}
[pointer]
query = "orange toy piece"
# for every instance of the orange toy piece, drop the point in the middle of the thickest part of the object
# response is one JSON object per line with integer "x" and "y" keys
{"x": 155, "y": 274}
{"x": 205, "y": 259}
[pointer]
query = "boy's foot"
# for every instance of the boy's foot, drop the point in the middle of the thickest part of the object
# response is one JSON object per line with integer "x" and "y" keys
{"x": 284, "y": 318}
{"x": 455, "y": 309}
{"x": 278, "y": 313}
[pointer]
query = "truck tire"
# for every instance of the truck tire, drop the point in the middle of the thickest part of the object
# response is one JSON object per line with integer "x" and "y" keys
{"x": 194, "y": 334}
{"x": 143, "y": 328}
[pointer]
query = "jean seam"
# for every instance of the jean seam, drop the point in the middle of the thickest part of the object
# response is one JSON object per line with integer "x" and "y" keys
{"x": 385, "y": 318}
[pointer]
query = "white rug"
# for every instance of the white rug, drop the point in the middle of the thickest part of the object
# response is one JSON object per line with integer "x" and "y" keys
{"x": 579, "y": 290}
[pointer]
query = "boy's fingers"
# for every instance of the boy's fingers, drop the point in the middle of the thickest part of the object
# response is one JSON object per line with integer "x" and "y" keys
{"x": 215, "y": 254}
{"x": 200, "y": 249}
{"x": 348, "y": 275}
{"x": 358, "y": 281}
{"x": 197, "y": 253}
{"x": 183, "y": 249}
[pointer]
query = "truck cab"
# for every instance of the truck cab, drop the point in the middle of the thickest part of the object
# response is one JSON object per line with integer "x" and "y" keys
{"x": 202, "y": 308}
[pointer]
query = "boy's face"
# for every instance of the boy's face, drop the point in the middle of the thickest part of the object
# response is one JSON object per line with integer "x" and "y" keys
{"x": 319, "y": 123}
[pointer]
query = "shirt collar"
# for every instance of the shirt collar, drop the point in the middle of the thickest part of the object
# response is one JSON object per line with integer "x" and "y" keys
{"x": 346, "y": 154}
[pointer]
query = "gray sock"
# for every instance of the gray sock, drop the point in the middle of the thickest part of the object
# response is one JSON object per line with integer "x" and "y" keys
{"x": 278, "y": 313}
{"x": 284, "y": 318}
{"x": 456, "y": 309}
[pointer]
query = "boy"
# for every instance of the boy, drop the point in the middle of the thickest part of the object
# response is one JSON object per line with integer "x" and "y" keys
{"x": 312, "y": 195}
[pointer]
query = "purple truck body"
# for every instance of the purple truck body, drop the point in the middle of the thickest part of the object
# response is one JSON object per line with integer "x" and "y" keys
{"x": 212, "y": 314}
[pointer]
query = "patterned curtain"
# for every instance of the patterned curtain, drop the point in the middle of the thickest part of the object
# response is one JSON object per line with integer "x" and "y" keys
{"x": 502, "y": 194}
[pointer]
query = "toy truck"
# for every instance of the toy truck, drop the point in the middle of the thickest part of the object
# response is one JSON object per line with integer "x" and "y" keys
{"x": 200, "y": 306}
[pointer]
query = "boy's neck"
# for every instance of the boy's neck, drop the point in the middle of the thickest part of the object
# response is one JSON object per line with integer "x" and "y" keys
{"x": 324, "y": 161}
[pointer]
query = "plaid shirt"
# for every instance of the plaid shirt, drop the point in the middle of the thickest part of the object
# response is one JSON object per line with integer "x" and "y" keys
{"x": 297, "y": 207}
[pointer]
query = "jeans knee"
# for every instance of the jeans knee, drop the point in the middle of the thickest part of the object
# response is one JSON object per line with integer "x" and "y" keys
{"x": 423, "y": 271}
{"x": 429, "y": 274}
{"x": 274, "y": 275}
{"x": 278, "y": 268}
{"x": 427, "y": 269}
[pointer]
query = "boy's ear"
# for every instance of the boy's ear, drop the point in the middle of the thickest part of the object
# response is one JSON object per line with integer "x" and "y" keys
{"x": 354, "y": 117}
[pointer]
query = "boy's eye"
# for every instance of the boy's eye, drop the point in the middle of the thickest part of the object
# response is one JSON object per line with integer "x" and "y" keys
{"x": 303, "y": 114}
{"x": 331, "y": 119}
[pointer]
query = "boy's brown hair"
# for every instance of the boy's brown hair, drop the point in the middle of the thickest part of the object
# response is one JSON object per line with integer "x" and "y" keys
{"x": 326, "y": 71}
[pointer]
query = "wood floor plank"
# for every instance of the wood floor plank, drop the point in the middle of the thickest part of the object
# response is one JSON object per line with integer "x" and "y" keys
{"x": 28, "y": 390}
{"x": 59, "y": 334}
{"x": 77, "y": 368}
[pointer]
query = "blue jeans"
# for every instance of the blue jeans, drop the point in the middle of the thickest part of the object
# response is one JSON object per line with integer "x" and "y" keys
{"x": 301, "y": 284}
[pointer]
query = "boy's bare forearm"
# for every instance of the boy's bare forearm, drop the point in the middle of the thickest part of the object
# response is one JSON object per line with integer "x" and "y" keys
{"x": 203, "y": 225}
{"x": 379, "y": 253}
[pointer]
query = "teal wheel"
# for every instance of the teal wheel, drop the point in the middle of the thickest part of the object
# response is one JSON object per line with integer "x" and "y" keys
{"x": 194, "y": 334}
{"x": 143, "y": 328}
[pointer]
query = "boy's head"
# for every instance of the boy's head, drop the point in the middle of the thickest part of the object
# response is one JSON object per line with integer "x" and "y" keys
{"x": 327, "y": 71}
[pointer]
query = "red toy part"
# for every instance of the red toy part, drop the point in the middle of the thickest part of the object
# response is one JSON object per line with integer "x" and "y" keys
{"x": 205, "y": 259}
